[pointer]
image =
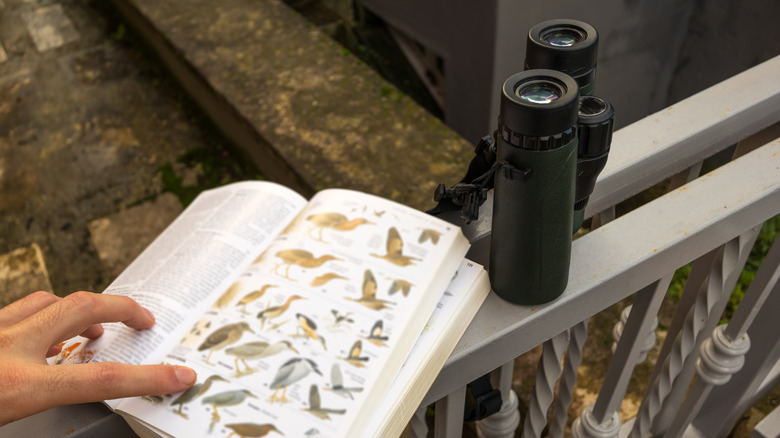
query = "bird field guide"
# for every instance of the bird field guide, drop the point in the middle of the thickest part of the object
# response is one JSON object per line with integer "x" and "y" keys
{"x": 329, "y": 317}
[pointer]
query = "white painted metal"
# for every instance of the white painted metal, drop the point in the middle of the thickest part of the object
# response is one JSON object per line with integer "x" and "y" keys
{"x": 448, "y": 421}
{"x": 649, "y": 343}
{"x": 547, "y": 373}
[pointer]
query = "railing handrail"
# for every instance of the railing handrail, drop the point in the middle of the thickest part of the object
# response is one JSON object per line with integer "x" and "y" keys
{"x": 626, "y": 255}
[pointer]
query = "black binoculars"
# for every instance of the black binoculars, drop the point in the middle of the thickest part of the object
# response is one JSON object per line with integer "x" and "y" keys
{"x": 552, "y": 141}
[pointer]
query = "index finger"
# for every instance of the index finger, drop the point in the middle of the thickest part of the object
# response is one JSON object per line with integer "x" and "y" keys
{"x": 78, "y": 311}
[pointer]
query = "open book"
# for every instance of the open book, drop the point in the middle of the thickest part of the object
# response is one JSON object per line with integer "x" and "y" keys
{"x": 298, "y": 316}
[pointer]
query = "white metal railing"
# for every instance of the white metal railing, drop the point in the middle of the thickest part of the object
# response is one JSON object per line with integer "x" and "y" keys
{"x": 712, "y": 220}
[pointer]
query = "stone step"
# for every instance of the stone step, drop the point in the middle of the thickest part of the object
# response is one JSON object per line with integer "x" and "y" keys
{"x": 303, "y": 108}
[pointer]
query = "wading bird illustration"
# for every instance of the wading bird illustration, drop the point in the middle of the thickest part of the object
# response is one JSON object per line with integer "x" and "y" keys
{"x": 354, "y": 358}
{"x": 228, "y": 295}
{"x": 252, "y": 297}
{"x": 223, "y": 337}
{"x": 325, "y": 278}
{"x": 315, "y": 406}
{"x": 250, "y": 350}
{"x": 337, "y": 384}
{"x": 375, "y": 336}
{"x": 302, "y": 258}
{"x": 290, "y": 372}
{"x": 309, "y": 328}
{"x": 399, "y": 284}
{"x": 194, "y": 392}
{"x": 429, "y": 234}
{"x": 276, "y": 311}
{"x": 226, "y": 398}
{"x": 395, "y": 247}
{"x": 368, "y": 293}
{"x": 251, "y": 430}
{"x": 334, "y": 221}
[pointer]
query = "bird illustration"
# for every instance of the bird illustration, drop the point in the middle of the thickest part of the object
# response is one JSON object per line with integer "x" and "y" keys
{"x": 341, "y": 318}
{"x": 325, "y": 278}
{"x": 224, "y": 337}
{"x": 354, "y": 358}
{"x": 368, "y": 293}
{"x": 429, "y": 234}
{"x": 194, "y": 392}
{"x": 302, "y": 258}
{"x": 337, "y": 384}
{"x": 394, "y": 247}
{"x": 315, "y": 407}
{"x": 399, "y": 284}
{"x": 226, "y": 398}
{"x": 290, "y": 372}
{"x": 309, "y": 328}
{"x": 276, "y": 311}
{"x": 257, "y": 350}
{"x": 250, "y": 350}
{"x": 375, "y": 336}
{"x": 252, "y": 296}
{"x": 312, "y": 432}
{"x": 251, "y": 430}
{"x": 334, "y": 221}
{"x": 228, "y": 295}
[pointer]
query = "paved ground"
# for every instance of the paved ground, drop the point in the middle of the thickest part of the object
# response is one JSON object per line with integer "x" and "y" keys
{"x": 91, "y": 132}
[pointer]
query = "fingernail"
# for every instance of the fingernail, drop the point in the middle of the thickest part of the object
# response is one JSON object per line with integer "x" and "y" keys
{"x": 149, "y": 312}
{"x": 186, "y": 375}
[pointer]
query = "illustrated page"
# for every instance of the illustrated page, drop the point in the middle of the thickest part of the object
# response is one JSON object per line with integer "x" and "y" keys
{"x": 177, "y": 276}
{"x": 302, "y": 339}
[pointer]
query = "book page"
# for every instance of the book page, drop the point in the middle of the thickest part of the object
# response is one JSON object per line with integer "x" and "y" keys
{"x": 308, "y": 338}
{"x": 178, "y": 275}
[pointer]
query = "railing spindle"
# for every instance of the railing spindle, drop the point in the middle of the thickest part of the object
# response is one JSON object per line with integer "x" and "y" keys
{"x": 547, "y": 373}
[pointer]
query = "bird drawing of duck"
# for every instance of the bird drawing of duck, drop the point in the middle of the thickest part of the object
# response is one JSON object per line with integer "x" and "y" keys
{"x": 194, "y": 392}
{"x": 394, "y": 247}
{"x": 315, "y": 406}
{"x": 276, "y": 311}
{"x": 368, "y": 293}
{"x": 223, "y": 337}
{"x": 334, "y": 221}
{"x": 301, "y": 258}
{"x": 290, "y": 372}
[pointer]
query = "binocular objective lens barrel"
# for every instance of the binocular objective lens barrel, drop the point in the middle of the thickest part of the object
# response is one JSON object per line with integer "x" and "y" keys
{"x": 532, "y": 215}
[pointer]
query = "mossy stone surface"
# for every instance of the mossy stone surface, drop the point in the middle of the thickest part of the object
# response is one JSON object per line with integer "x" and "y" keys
{"x": 332, "y": 119}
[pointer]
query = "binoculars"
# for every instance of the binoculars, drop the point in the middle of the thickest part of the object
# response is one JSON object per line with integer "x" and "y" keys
{"x": 552, "y": 141}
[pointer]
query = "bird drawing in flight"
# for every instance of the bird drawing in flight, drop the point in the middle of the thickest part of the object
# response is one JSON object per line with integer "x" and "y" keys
{"x": 354, "y": 357}
{"x": 315, "y": 406}
{"x": 375, "y": 336}
{"x": 394, "y": 247}
{"x": 368, "y": 293}
{"x": 401, "y": 285}
{"x": 337, "y": 384}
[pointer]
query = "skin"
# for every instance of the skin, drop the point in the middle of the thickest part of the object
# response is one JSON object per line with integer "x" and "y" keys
{"x": 32, "y": 328}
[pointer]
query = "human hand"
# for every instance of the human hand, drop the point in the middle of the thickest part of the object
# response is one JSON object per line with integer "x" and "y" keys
{"x": 31, "y": 330}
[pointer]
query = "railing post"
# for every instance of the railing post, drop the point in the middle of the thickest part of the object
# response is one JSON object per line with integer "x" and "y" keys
{"x": 547, "y": 373}
{"x": 578, "y": 335}
{"x": 711, "y": 298}
{"x": 503, "y": 423}
{"x": 449, "y": 415}
{"x": 723, "y": 354}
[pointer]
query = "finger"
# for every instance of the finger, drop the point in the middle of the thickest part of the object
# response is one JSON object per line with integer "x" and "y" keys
{"x": 23, "y": 308}
{"x": 110, "y": 380}
{"x": 75, "y": 314}
{"x": 46, "y": 386}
